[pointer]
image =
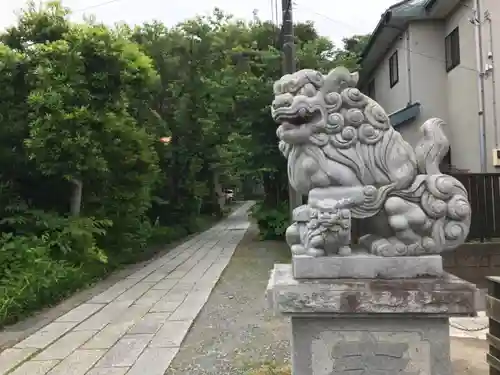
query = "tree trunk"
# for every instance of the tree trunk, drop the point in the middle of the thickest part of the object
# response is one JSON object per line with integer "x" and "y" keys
{"x": 76, "y": 197}
{"x": 220, "y": 193}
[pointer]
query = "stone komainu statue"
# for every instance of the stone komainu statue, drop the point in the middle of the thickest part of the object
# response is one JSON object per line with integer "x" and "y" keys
{"x": 340, "y": 144}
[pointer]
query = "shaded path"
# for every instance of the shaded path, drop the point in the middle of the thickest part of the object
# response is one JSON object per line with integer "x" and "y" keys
{"x": 137, "y": 325}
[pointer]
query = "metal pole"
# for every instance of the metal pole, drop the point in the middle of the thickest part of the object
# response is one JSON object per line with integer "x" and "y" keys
{"x": 491, "y": 57}
{"x": 289, "y": 67}
{"x": 480, "y": 66}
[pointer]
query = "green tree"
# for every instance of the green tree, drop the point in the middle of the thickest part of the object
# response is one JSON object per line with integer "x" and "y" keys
{"x": 352, "y": 49}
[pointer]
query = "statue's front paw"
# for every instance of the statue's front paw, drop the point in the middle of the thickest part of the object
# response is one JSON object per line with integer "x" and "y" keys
{"x": 345, "y": 251}
{"x": 315, "y": 252}
{"x": 390, "y": 248}
{"x": 383, "y": 248}
{"x": 298, "y": 250}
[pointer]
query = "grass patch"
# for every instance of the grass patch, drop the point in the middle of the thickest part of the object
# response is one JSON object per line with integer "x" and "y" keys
{"x": 271, "y": 369}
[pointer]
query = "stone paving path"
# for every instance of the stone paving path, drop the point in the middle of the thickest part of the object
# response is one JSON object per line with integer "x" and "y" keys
{"x": 137, "y": 325}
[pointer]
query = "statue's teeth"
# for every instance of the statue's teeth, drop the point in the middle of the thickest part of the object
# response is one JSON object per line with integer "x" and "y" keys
{"x": 302, "y": 112}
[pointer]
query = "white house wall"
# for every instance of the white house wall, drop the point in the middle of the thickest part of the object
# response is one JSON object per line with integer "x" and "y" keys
{"x": 462, "y": 93}
{"x": 395, "y": 98}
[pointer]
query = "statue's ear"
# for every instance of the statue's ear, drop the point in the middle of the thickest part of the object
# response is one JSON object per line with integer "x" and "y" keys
{"x": 339, "y": 79}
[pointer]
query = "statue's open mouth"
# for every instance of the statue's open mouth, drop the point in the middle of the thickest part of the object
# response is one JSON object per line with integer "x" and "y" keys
{"x": 303, "y": 115}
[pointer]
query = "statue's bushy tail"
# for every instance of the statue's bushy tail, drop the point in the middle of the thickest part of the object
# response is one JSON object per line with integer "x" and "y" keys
{"x": 443, "y": 198}
{"x": 432, "y": 147}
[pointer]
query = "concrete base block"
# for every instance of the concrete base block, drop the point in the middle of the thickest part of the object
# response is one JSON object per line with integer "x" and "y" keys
{"x": 374, "y": 346}
{"x": 371, "y": 326}
{"x": 365, "y": 266}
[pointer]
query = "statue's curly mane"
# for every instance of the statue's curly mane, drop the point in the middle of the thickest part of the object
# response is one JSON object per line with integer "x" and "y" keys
{"x": 360, "y": 136}
{"x": 356, "y": 136}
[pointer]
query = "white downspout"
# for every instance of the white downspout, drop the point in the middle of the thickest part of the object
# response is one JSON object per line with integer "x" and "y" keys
{"x": 480, "y": 83}
{"x": 408, "y": 66}
{"x": 491, "y": 58}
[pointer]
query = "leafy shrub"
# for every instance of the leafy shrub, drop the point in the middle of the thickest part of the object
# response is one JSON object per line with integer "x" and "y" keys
{"x": 30, "y": 278}
{"x": 70, "y": 238}
{"x": 272, "y": 222}
{"x": 161, "y": 235}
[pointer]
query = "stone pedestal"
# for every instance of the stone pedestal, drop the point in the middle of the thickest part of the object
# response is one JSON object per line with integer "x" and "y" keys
{"x": 370, "y": 326}
{"x": 366, "y": 266}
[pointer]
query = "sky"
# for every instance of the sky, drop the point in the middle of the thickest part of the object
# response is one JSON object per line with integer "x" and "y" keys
{"x": 335, "y": 19}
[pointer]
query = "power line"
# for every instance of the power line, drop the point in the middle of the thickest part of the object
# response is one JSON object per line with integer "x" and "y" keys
{"x": 352, "y": 27}
{"x": 327, "y": 17}
{"x": 437, "y": 59}
{"x": 95, "y": 6}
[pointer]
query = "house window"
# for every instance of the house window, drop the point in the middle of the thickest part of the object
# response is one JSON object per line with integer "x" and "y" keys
{"x": 394, "y": 69}
{"x": 371, "y": 89}
{"x": 452, "y": 50}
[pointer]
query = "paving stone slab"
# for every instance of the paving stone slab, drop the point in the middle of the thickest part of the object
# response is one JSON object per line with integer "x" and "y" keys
{"x": 66, "y": 345}
{"x": 153, "y": 361}
{"x": 46, "y": 335}
{"x": 171, "y": 334}
{"x": 114, "y": 291}
{"x": 109, "y": 371}
{"x": 108, "y": 337}
{"x": 135, "y": 292}
{"x": 125, "y": 352}
{"x": 11, "y": 357}
{"x": 165, "y": 305}
{"x": 104, "y": 316}
{"x": 78, "y": 363}
{"x": 35, "y": 368}
{"x": 151, "y": 297}
{"x": 82, "y": 312}
{"x": 190, "y": 308}
{"x": 166, "y": 284}
{"x": 157, "y": 275}
{"x": 149, "y": 324}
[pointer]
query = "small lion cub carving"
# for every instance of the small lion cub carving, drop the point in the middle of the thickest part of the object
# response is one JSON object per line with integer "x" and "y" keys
{"x": 321, "y": 228}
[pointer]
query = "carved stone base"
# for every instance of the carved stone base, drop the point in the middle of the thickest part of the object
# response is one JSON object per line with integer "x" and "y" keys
{"x": 366, "y": 267}
{"x": 372, "y": 326}
{"x": 376, "y": 346}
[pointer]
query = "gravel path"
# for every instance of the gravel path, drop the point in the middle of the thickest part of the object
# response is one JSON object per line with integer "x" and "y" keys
{"x": 235, "y": 330}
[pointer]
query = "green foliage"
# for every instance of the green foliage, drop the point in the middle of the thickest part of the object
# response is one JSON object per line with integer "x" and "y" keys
{"x": 71, "y": 238}
{"x": 272, "y": 221}
{"x": 30, "y": 278}
{"x": 86, "y": 183}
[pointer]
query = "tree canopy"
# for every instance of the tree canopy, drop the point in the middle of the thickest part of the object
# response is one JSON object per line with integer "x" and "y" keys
{"x": 87, "y": 179}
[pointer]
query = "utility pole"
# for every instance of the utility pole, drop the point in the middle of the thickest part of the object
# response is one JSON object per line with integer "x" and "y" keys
{"x": 289, "y": 67}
